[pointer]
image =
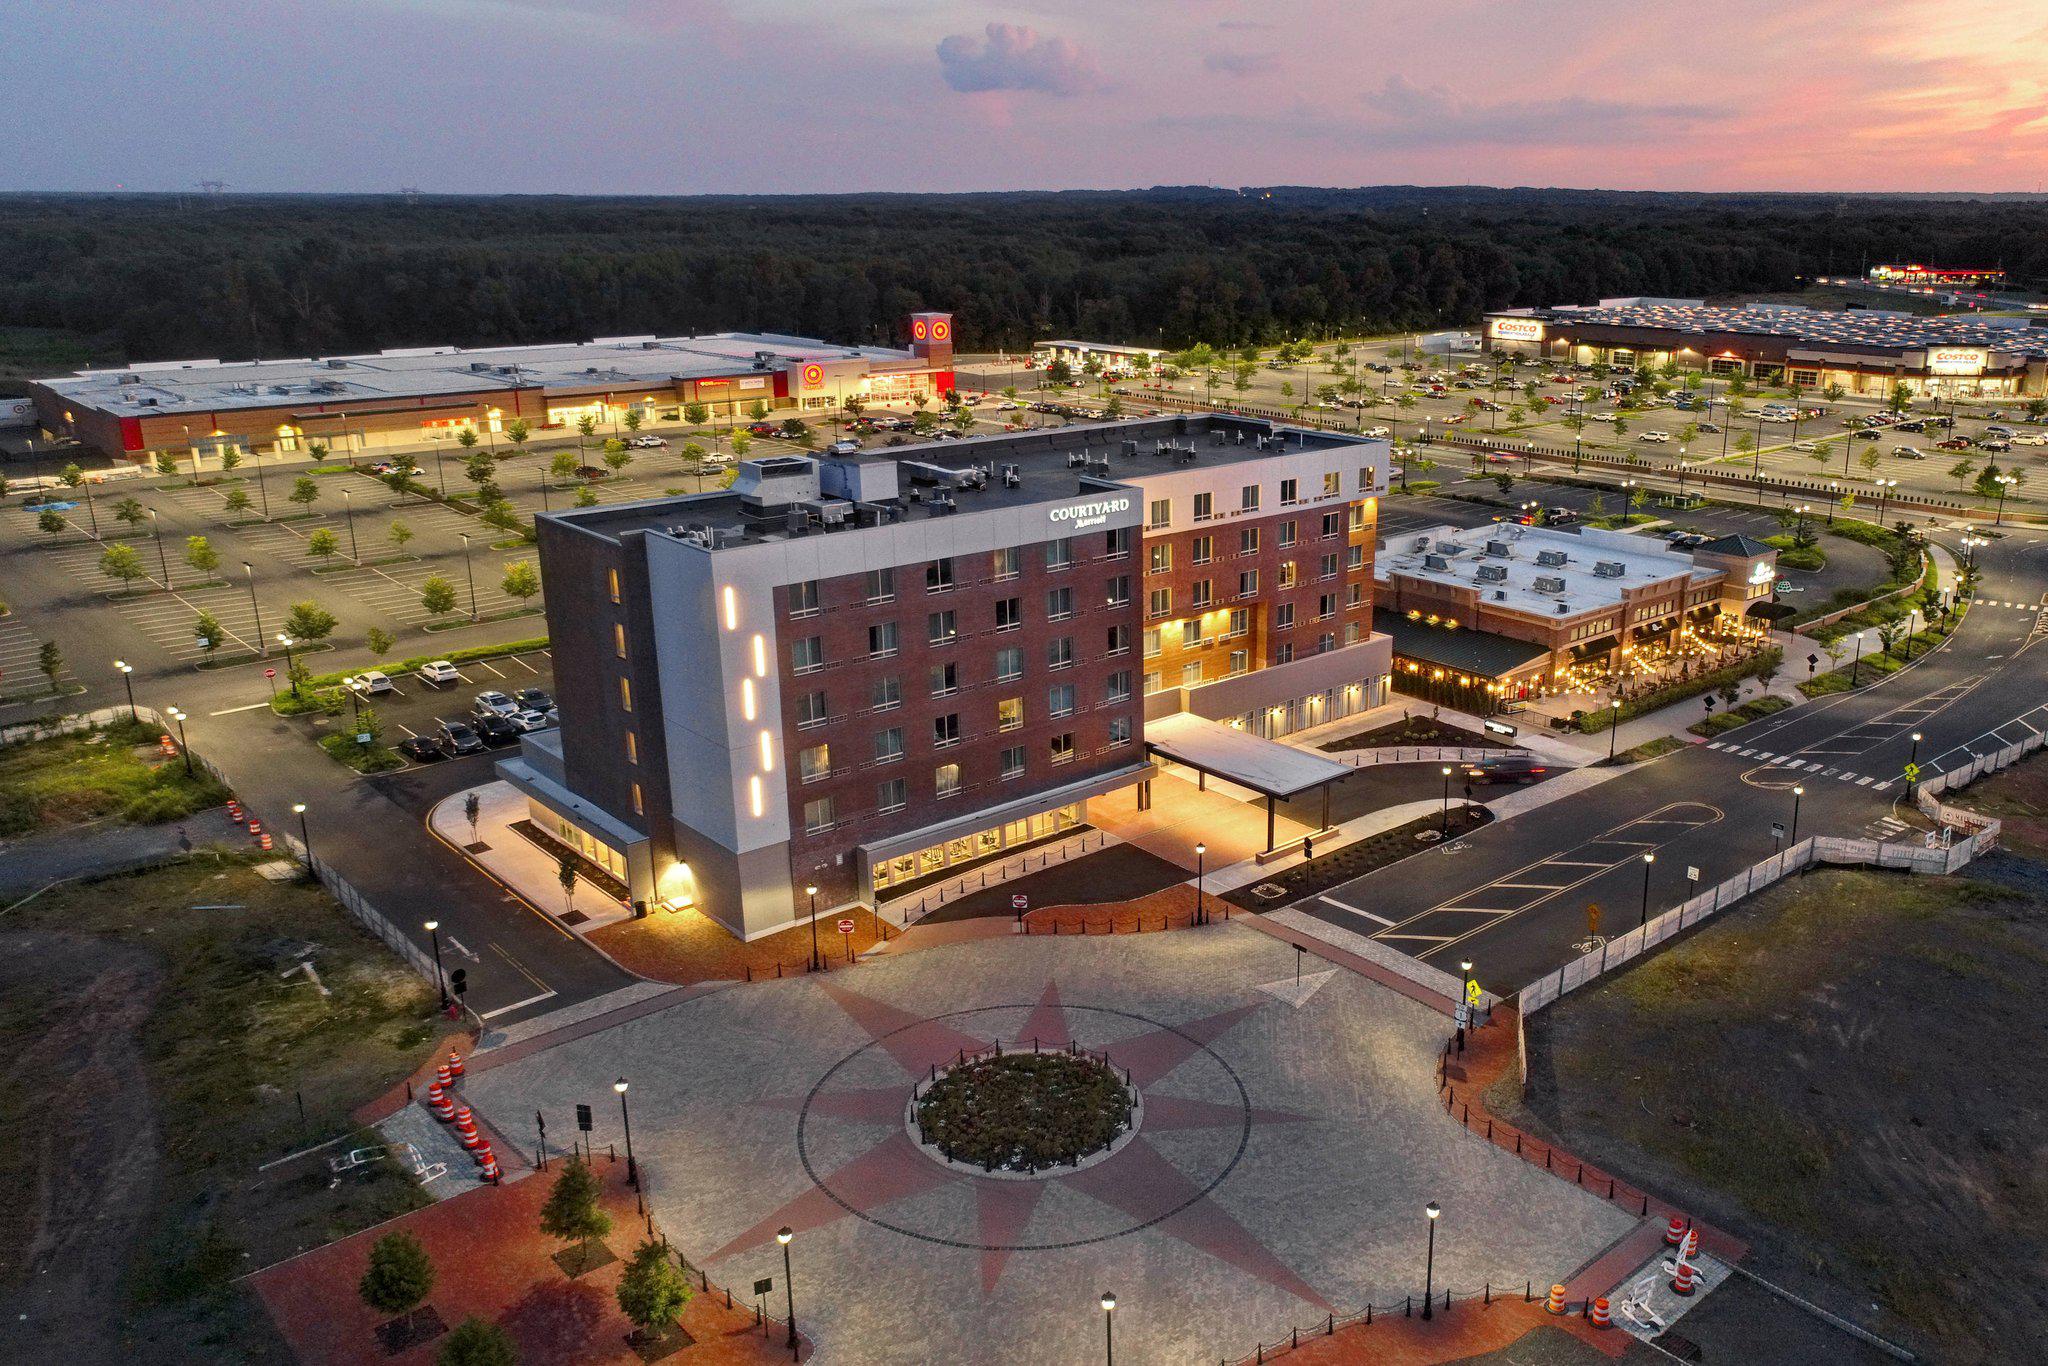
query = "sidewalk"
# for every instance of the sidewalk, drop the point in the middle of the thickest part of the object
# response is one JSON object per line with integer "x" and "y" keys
{"x": 532, "y": 873}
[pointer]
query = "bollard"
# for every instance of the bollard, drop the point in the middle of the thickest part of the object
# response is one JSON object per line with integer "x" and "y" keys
{"x": 1408, "y": 1308}
{"x": 1489, "y": 1293}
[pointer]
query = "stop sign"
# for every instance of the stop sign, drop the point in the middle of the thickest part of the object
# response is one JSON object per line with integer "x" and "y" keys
{"x": 270, "y": 673}
{"x": 846, "y": 927}
{"x": 1020, "y": 902}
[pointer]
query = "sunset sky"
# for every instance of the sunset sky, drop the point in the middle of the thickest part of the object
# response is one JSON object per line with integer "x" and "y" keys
{"x": 686, "y": 96}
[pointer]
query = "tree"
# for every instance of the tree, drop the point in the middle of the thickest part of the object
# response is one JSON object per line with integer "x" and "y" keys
{"x": 1961, "y": 472}
{"x": 742, "y": 442}
{"x": 565, "y": 873}
{"x": 131, "y": 511}
{"x": 586, "y": 497}
{"x": 398, "y": 535}
{"x": 758, "y": 409}
{"x": 52, "y": 521}
{"x": 437, "y": 595}
{"x": 309, "y": 621}
{"x": 472, "y": 809}
{"x": 563, "y": 466}
{"x": 502, "y": 515}
{"x": 166, "y": 463}
{"x": 379, "y": 640}
{"x": 477, "y": 1342}
{"x": 517, "y": 431}
{"x": 1059, "y": 372}
{"x": 571, "y": 1213}
{"x": 50, "y": 659}
{"x": 236, "y": 500}
{"x": 585, "y": 425}
{"x": 466, "y": 438}
{"x": 697, "y": 414}
{"x": 322, "y": 544}
{"x": 121, "y": 562}
{"x": 616, "y": 455}
{"x": 200, "y": 554}
{"x": 1639, "y": 498}
{"x": 479, "y": 468}
{"x": 693, "y": 453}
{"x": 305, "y": 491}
{"x": 1620, "y": 425}
{"x": 71, "y": 476}
{"x": 1834, "y": 393}
{"x": 522, "y": 581}
{"x": 1901, "y": 396}
{"x": 207, "y": 631}
{"x": 854, "y": 405}
{"x": 797, "y": 430}
{"x": 1868, "y": 459}
{"x": 317, "y": 450}
{"x": 652, "y": 1291}
{"x": 230, "y": 459}
{"x": 400, "y": 1275}
{"x": 634, "y": 419}
{"x": 1114, "y": 408}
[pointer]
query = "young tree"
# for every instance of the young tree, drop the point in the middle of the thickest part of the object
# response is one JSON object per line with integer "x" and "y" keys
{"x": 742, "y": 442}
{"x": 502, "y": 515}
{"x": 518, "y": 431}
{"x": 1620, "y": 425}
{"x": 50, "y": 659}
{"x": 317, "y": 450}
{"x": 305, "y": 491}
{"x": 565, "y": 873}
{"x": 437, "y": 595}
{"x": 693, "y": 453}
{"x": 400, "y": 1275}
{"x": 121, "y": 562}
{"x": 1834, "y": 393}
{"x": 309, "y": 621}
{"x": 230, "y": 460}
{"x": 477, "y": 1342}
{"x": 697, "y": 414}
{"x": 131, "y": 511}
{"x": 1868, "y": 459}
{"x": 200, "y": 554}
{"x": 563, "y": 466}
{"x": 758, "y": 410}
{"x": 479, "y": 468}
{"x": 1901, "y": 396}
{"x": 797, "y": 430}
{"x": 522, "y": 581}
{"x": 207, "y": 631}
{"x": 571, "y": 1213}
{"x": 1059, "y": 372}
{"x": 71, "y": 476}
{"x": 616, "y": 456}
{"x": 472, "y": 809}
{"x": 398, "y": 535}
{"x": 397, "y": 480}
{"x": 379, "y": 640}
{"x": 322, "y": 544}
{"x": 585, "y": 425}
{"x": 466, "y": 438}
{"x": 236, "y": 500}
{"x": 52, "y": 521}
{"x": 634, "y": 419}
{"x": 1961, "y": 472}
{"x": 586, "y": 497}
{"x": 652, "y": 1291}
{"x": 166, "y": 463}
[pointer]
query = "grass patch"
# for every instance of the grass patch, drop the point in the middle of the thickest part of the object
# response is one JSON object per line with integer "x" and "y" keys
{"x": 374, "y": 759}
{"x": 1792, "y": 555}
{"x": 1754, "y": 709}
{"x": 1651, "y": 749}
{"x": 322, "y": 692}
{"x": 486, "y": 619}
{"x": 1421, "y": 485}
{"x": 96, "y": 775}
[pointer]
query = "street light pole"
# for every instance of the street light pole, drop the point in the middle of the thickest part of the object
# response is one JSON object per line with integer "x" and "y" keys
{"x": 291, "y": 672}
{"x": 626, "y": 1122}
{"x": 1201, "y": 857}
{"x": 348, "y": 511}
{"x": 816, "y": 962}
{"x": 2005, "y": 483}
{"x": 177, "y": 714}
{"x": 128, "y": 682}
{"x": 1108, "y": 1329}
{"x": 469, "y": 574}
{"x": 1797, "y": 794}
{"x": 440, "y": 973}
{"x": 305, "y": 835}
{"x": 163, "y": 560}
{"x": 249, "y": 572}
{"x": 1913, "y": 783}
{"x": 1464, "y": 1007}
{"x": 1644, "y": 918}
{"x": 1446, "y": 826}
{"x": 782, "y": 1236}
{"x": 1613, "y": 727}
{"x": 1434, "y": 1212}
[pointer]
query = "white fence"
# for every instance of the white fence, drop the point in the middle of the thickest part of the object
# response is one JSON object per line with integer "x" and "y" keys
{"x": 1422, "y": 754}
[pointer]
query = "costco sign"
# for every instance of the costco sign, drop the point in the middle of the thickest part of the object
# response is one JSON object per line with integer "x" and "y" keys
{"x": 1956, "y": 360}
{"x": 1516, "y": 329}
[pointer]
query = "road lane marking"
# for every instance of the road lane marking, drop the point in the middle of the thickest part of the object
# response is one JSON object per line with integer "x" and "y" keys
{"x": 516, "y": 1005}
{"x": 1355, "y": 910}
{"x": 464, "y": 949}
{"x": 230, "y": 711}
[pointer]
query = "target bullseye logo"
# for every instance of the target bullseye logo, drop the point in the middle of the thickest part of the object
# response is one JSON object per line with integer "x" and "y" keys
{"x": 813, "y": 375}
{"x": 919, "y": 330}
{"x": 941, "y": 329}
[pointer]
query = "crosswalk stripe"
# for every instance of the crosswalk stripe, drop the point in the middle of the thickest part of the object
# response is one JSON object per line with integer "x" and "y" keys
{"x": 1863, "y": 781}
{"x": 1716, "y": 744}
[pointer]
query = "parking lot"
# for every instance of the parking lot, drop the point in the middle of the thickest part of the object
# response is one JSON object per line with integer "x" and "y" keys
{"x": 415, "y": 706}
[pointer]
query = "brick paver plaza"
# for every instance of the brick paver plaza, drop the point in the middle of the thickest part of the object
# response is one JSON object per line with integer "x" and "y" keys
{"x": 1279, "y": 1171}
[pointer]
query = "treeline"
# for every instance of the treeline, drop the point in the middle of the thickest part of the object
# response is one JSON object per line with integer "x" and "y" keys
{"x": 166, "y": 277}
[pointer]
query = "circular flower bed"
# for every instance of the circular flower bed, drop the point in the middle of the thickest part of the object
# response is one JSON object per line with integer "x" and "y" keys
{"x": 1025, "y": 1111}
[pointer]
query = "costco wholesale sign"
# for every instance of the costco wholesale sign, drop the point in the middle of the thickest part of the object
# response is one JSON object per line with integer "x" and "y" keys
{"x": 1517, "y": 329}
{"x": 1956, "y": 360}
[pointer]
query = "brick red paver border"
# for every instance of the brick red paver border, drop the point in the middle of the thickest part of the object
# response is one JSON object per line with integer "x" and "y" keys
{"x": 1169, "y": 908}
{"x": 686, "y": 947}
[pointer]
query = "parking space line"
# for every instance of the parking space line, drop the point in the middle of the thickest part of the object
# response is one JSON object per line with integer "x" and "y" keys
{"x": 1355, "y": 910}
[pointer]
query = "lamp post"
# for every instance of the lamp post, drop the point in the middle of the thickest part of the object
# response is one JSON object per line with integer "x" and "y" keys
{"x": 440, "y": 973}
{"x": 1433, "y": 1211}
{"x": 1464, "y": 1011}
{"x": 1108, "y": 1329}
{"x": 291, "y": 673}
{"x": 1797, "y": 794}
{"x": 1799, "y": 528}
{"x": 178, "y": 714}
{"x": 1884, "y": 497}
{"x": 348, "y": 511}
{"x": 782, "y": 1236}
{"x": 2005, "y": 483}
{"x": 1649, "y": 860}
{"x": 626, "y": 1122}
{"x": 249, "y": 572}
{"x": 816, "y": 962}
{"x": 1447, "y": 800}
{"x": 469, "y": 574}
{"x": 1201, "y": 858}
{"x": 164, "y": 561}
{"x": 1833, "y": 498}
{"x": 128, "y": 682}
{"x": 1913, "y": 784}
{"x": 305, "y": 835}
{"x": 1613, "y": 727}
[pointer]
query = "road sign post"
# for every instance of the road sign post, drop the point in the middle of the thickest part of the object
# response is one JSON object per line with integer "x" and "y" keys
{"x": 846, "y": 933}
{"x": 1020, "y": 903}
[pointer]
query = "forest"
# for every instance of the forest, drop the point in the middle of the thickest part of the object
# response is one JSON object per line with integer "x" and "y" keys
{"x": 136, "y": 278}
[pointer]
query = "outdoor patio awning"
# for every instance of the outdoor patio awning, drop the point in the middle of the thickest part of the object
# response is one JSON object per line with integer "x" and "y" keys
{"x": 1267, "y": 767}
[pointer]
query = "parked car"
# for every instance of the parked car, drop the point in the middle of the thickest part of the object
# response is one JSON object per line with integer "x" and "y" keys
{"x": 421, "y": 749}
{"x": 1994, "y": 443}
{"x": 497, "y": 731}
{"x": 439, "y": 673}
{"x": 1955, "y": 443}
{"x": 370, "y": 683}
{"x": 1710, "y": 428}
{"x": 1507, "y": 769}
{"x": 530, "y": 720}
{"x": 393, "y": 467}
{"x": 648, "y": 443}
{"x": 1996, "y": 430}
{"x": 1655, "y": 438}
{"x": 491, "y": 702}
{"x": 1807, "y": 447}
{"x": 1560, "y": 516}
{"x": 764, "y": 429}
{"x": 457, "y": 738}
{"x": 1909, "y": 453}
{"x": 534, "y": 699}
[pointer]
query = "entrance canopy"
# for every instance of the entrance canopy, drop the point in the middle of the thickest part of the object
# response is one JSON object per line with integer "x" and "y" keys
{"x": 1267, "y": 767}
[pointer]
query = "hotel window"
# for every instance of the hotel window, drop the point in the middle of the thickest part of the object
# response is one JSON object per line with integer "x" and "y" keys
{"x": 1003, "y": 563}
{"x": 1248, "y": 498}
{"x": 1013, "y": 762}
{"x": 1353, "y": 632}
{"x": 1160, "y": 603}
{"x": 1354, "y": 595}
{"x": 1286, "y": 534}
{"x": 1205, "y": 506}
{"x": 639, "y": 802}
{"x": 1325, "y": 643}
{"x": 1059, "y": 553}
{"x": 1059, "y": 700}
{"x": 1238, "y": 662}
{"x": 940, "y": 628}
{"x": 1247, "y": 582}
{"x": 1283, "y": 653}
{"x": 814, "y": 763}
{"x": 807, "y": 654}
{"x": 1061, "y": 748}
{"x": 810, "y": 710}
{"x": 819, "y": 815}
{"x": 1117, "y": 688}
{"x": 1240, "y": 620}
{"x": 1286, "y": 579}
{"x": 1159, "y": 557}
{"x": 1009, "y": 713}
{"x": 886, "y": 693}
{"x": 803, "y": 598}
{"x": 881, "y": 585}
{"x": 1327, "y": 566}
{"x": 1364, "y": 486}
{"x": 1333, "y": 524}
{"x": 1009, "y": 613}
{"x": 1119, "y": 730}
{"x": 1152, "y": 684}
{"x": 1118, "y": 591}
{"x": 1191, "y": 674}
{"x": 1117, "y": 641}
{"x": 1333, "y": 482}
{"x": 1009, "y": 664}
{"x": 1117, "y": 543}
{"x": 889, "y": 745}
{"x": 892, "y": 795}
{"x": 632, "y": 748}
{"x": 619, "y": 641}
{"x": 1151, "y": 642}
{"x": 1201, "y": 549}
{"x": 882, "y": 640}
{"x": 1191, "y": 633}
{"x": 1059, "y": 604}
{"x": 1161, "y": 514}
{"x": 611, "y": 580}
{"x": 938, "y": 576}
{"x": 945, "y": 679}
{"x": 625, "y": 694}
{"x": 1059, "y": 652}
{"x": 1290, "y": 492}
{"x": 1326, "y": 606}
{"x": 1248, "y": 541}
{"x": 1357, "y": 517}
{"x": 1200, "y": 595}
{"x": 946, "y": 780}
{"x": 1283, "y": 616}
{"x": 1354, "y": 557}
{"x": 945, "y": 730}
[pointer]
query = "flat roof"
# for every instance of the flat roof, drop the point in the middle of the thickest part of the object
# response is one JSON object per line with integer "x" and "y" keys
{"x": 171, "y": 387}
{"x": 1576, "y": 581}
{"x": 1116, "y": 347}
{"x": 1486, "y": 653}
{"x": 1040, "y": 459}
{"x": 1265, "y": 766}
{"x": 1871, "y": 328}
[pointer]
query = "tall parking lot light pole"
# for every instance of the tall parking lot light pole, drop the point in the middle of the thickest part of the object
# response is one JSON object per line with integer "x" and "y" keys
{"x": 1649, "y": 861}
{"x": 782, "y": 1236}
{"x": 626, "y": 1122}
{"x": 1797, "y": 794}
{"x": 348, "y": 512}
{"x": 1464, "y": 1011}
{"x": 1884, "y": 496}
{"x": 2005, "y": 483}
{"x": 128, "y": 682}
{"x": 816, "y": 962}
{"x": 1447, "y": 800}
{"x": 249, "y": 573}
{"x": 1834, "y": 496}
{"x": 469, "y": 574}
{"x": 1108, "y": 1329}
{"x": 164, "y": 561}
{"x": 1201, "y": 857}
{"x": 433, "y": 928}
{"x": 305, "y": 835}
{"x": 1432, "y": 1211}
{"x": 1613, "y": 727}
{"x": 291, "y": 673}
{"x": 178, "y": 714}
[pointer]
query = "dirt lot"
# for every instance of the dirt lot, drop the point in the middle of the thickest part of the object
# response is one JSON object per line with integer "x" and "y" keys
{"x": 2018, "y": 797}
{"x": 1828, "y": 1072}
{"x": 156, "y": 1059}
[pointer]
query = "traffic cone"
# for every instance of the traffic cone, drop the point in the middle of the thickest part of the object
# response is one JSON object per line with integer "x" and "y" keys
{"x": 263, "y": 842}
{"x": 1600, "y": 1319}
{"x": 165, "y": 747}
{"x": 1555, "y": 1304}
{"x": 465, "y": 1128}
{"x": 454, "y": 1067}
{"x": 1674, "y": 1233}
{"x": 234, "y": 811}
{"x": 443, "y": 1077}
{"x": 255, "y": 826}
{"x": 1692, "y": 1245}
{"x": 490, "y": 1169}
{"x": 1684, "y": 1277}
{"x": 432, "y": 1097}
{"x": 444, "y": 1108}
{"x": 482, "y": 1154}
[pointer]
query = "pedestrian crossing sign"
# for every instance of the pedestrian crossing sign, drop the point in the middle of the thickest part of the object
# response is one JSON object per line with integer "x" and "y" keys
{"x": 1472, "y": 993}
{"x": 1912, "y": 771}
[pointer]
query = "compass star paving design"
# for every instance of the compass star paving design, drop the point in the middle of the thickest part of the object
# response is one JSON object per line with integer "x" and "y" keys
{"x": 1139, "y": 1186}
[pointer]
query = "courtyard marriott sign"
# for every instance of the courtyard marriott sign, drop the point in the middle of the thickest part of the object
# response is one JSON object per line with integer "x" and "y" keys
{"x": 1094, "y": 512}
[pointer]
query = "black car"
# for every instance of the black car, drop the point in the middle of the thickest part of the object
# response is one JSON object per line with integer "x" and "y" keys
{"x": 457, "y": 738}
{"x": 533, "y": 699}
{"x": 496, "y": 731}
{"x": 1510, "y": 769}
{"x": 420, "y": 749}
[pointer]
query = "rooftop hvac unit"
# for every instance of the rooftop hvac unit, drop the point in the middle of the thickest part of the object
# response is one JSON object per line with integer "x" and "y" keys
{"x": 1552, "y": 559}
{"x": 1497, "y": 548}
{"x": 480, "y": 367}
{"x": 1078, "y": 459}
{"x": 1435, "y": 562}
{"x": 337, "y": 365}
{"x": 1421, "y": 543}
{"x": 1012, "y": 478}
{"x": 1493, "y": 573}
{"x": 1609, "y": 569}
{"x": 131, "y": 379}
{"x": 1563, "y": 607}
{"x": 1500, "y": 594}
{"x": 1129, "y": 448}
{"x": 1550, "y": 585}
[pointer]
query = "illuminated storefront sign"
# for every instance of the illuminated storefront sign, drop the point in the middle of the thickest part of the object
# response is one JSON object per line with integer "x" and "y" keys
{"x": 813, "y": 375}
{"x": 1956, "y": 360}
{"x": 1094, "y": 512}
{"x": 1516, "y": 329}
